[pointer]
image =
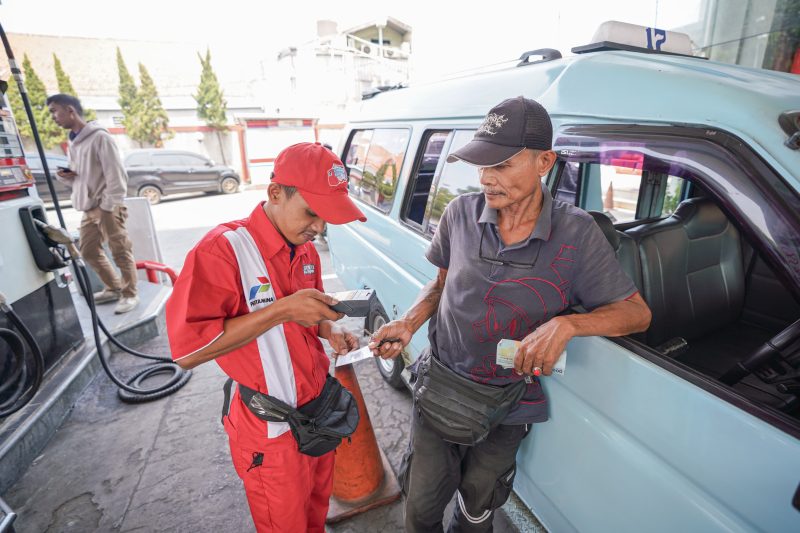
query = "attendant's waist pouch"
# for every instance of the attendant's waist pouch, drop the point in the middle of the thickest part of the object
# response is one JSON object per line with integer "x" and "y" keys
{"x": 459, "y": 409}
{"x": 318, "y": 426}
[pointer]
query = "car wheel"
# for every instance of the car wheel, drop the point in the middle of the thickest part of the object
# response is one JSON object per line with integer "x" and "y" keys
{"x": 229, "y": 185}
{"x": 152, "y": 193}
{"x": 391, "y": 369}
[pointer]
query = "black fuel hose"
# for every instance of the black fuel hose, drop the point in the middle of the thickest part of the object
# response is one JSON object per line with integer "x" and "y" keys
{"x": 17, "y": 374}
{"x": 130, "y": 391}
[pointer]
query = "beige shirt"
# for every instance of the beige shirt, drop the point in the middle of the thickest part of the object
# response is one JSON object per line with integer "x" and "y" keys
{"x": 101, "y": 179}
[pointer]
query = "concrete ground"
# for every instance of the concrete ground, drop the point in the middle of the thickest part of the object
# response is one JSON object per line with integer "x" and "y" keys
{"x": 164, "y": 465}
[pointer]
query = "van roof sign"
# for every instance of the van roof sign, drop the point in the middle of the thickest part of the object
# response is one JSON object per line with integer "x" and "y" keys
{"x": 615, "y": 35}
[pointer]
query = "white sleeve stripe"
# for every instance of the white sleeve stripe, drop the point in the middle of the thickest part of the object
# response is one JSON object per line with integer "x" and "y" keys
{"x": 201, "y": 348}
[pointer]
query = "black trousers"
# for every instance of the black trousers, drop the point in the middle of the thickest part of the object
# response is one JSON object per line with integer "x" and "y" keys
{"x": 434, "y": 469}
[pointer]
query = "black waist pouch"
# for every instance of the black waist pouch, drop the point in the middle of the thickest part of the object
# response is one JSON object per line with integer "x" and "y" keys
{"x": 460, "y": 410}
{"x": 318, "y": 426}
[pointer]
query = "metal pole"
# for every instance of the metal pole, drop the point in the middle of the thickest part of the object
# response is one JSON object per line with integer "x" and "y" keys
{"x": 15, "y": 71}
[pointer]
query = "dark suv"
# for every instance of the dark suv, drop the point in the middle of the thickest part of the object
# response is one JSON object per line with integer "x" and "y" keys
{"x": 155, "y": 173}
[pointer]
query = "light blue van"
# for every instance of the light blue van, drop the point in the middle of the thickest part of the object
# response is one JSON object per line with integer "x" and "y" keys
{"x": 692, "y": 169}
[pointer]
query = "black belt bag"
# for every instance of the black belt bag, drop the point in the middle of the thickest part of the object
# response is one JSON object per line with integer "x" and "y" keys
{"x": 460, "y": 410}
{"x": 318, "y": 426}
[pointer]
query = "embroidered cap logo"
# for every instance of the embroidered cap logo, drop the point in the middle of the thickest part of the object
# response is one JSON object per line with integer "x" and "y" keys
{"x": 337, "y": 176}
{"x": 492, "y": 123}
{"x": 263, "y": 286}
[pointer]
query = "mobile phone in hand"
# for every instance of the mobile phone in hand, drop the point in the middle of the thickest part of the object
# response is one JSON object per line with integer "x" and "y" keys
{"x": 354, "y": 303}
{"x": 66, "y": 169}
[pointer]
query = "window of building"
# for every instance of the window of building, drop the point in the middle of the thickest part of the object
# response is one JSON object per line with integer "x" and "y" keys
{"x": 374, "y": 160}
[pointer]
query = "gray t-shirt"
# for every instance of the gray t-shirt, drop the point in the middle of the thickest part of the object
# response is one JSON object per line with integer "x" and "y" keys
{"x": 572, "y": 264}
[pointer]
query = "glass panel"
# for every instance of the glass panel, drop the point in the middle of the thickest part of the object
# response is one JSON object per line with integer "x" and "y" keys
{"x": 382, "y": 168}
{"x": 456, "y": 179}
{"x": 356, "y": 157}
{"x": 612, "y": 189}
{"x": 193, "y": 161}
{"x": 673, "y": 195}
{"x": 753, "y": 33}
{"x": 137, "y": 160}
{"x": 166, "y": 160}
{"x": 423, "y": 180}
{"x": 568, "y": 184}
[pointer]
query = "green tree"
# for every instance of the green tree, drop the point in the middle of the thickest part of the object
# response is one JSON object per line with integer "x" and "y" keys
{"x": 127, "y": 94}
{"x": 211, "y": 105}
{"x": 50, "y": 132}
{"x": 65, "y": 87}
{"x": 151, "y": 125}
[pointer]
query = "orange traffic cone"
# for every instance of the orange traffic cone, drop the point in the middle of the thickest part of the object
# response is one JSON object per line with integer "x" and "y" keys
{"x": 362, "y": 476}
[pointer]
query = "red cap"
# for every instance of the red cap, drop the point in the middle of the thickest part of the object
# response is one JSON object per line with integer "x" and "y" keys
{"x": 321, "y": 179}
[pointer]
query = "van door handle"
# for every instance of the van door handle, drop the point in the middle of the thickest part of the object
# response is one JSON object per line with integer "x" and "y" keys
{"x": 796, "y": 499}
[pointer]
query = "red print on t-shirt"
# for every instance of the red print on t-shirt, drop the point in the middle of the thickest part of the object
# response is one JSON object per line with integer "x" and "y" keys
{"x": 515, "y": 307}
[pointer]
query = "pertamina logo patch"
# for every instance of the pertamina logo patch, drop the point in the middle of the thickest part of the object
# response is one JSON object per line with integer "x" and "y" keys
{"x": 262, "y": 287}
{"x": 337, "y": 176}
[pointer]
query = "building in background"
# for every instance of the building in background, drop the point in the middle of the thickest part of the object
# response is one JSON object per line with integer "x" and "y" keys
{"x": 302, "y": 93}
{"x": 308, "y": 91}
{"x": 92, "y": 67}
{"x": 753, "y": 33}
{"x": 327, "y": 76}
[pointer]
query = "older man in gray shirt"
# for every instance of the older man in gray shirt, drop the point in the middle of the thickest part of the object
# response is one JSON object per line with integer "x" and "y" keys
{"x": 511, "y": 259}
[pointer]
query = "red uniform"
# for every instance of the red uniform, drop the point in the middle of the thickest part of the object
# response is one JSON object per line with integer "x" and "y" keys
{"x": 235, "y": 269}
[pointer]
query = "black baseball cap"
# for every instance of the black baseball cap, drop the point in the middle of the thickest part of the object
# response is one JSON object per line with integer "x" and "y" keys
{"x": 510, "y": 127}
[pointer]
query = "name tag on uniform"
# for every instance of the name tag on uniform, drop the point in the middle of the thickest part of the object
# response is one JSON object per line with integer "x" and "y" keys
{"x": 309, "y": 270}
{"x": 507, "y": 350}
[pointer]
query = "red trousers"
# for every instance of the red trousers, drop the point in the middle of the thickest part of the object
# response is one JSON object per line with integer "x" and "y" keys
{"x": 287, "y": 491}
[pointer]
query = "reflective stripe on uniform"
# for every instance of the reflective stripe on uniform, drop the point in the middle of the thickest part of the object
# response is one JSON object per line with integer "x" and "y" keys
{"x": 273, "y": 350}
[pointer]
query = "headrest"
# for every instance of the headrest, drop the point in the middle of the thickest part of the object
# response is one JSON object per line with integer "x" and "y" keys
{"x": 700, "y": 217}
{"x": 607, "y": 227}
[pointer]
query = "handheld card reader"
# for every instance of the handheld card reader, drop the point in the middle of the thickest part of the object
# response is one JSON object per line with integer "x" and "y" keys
{"x": 354, "y": 303}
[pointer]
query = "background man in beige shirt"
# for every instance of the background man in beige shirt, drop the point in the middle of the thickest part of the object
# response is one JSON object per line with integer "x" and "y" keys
{"x": 99, "y": 184}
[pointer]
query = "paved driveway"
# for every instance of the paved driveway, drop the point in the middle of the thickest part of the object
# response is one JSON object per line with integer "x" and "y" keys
{"x": 164, "y": 466}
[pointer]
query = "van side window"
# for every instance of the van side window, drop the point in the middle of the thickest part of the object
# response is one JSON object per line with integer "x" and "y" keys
{"x": 676, "y": 191}
{"x": 375, "y": 158}
{"x": 618, "y": 187}
{"x": 456, "y": 179}
{"x": 422, "y": 179}
{"x": 357, "y": 155}
{"x": 567, "y": 190}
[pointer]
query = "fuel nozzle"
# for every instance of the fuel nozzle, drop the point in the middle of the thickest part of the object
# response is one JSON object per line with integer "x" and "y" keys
{"x": 57, "y": 236}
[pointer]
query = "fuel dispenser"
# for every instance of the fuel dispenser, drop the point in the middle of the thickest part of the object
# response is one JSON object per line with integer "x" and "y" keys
{"x": 39, "y": 323}
{"x": 32, "y": 278}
